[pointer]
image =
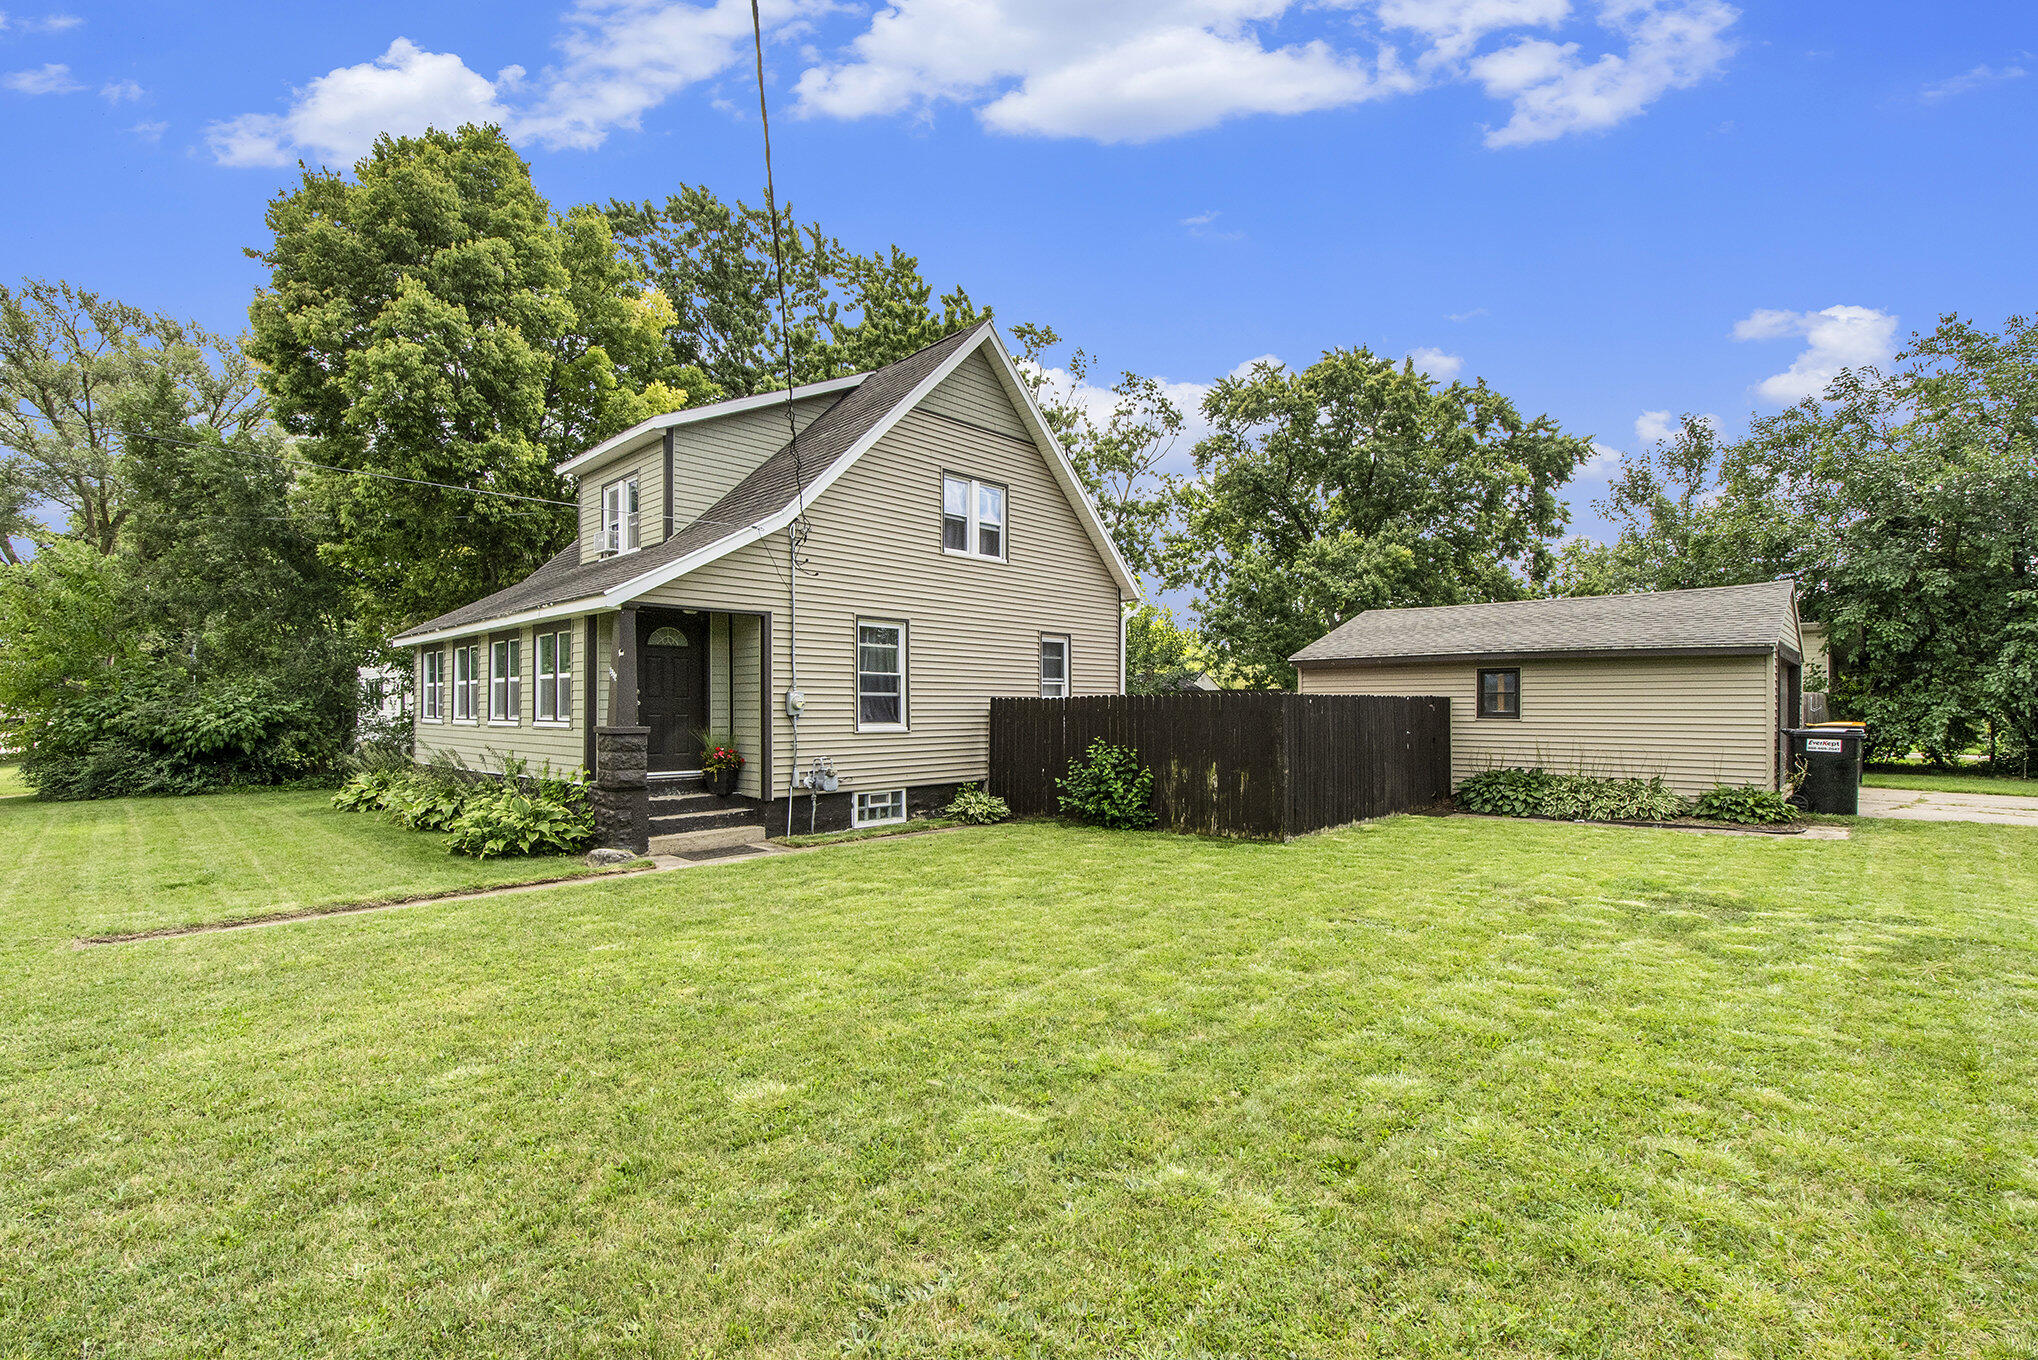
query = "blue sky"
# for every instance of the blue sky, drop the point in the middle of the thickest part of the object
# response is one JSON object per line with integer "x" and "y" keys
{"x": 1606, "y": 208}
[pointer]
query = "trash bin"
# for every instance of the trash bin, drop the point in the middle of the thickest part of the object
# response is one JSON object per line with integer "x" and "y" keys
{"x": 1831, "y": 757}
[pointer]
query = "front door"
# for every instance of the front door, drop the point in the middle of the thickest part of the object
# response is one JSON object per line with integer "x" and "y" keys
{"x": 672, "y": 687}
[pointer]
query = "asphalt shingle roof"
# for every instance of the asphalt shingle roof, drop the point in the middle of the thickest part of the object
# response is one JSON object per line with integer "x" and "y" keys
{"x": 768, "y": 489}
{"x": 1672, "y": 620}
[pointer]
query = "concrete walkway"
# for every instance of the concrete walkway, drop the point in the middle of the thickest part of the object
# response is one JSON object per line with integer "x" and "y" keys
{"x": 1917, "y": 805}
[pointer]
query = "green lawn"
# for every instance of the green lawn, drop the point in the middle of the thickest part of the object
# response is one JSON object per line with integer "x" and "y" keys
{"x": 1435, "y": 1086}
{"x": 11, "y": 784}
{"x": 73, "y": 869}
{"x": 1946, "y": 782}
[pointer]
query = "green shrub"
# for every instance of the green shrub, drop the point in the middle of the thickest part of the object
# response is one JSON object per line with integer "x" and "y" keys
{"x": 366, "y": 790}
{"x": 1748, "y": 806}
{"x": 545, "y": 816}
{"x": 1108, "y": 787}
{"x": 976, "y": 805}
{"x": 1573, "y": 797}
{"x": 1506, "y": 793}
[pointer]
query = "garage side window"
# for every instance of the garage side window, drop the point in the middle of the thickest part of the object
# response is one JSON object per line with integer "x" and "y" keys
{"x": 1500, "y": 693}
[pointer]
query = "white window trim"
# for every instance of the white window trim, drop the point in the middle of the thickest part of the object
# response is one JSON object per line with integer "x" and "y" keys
{"x": 540, "y": 677}
{"x": 1068, "y": 664}
{"x": 970, "y": 535}
{"x": 513, "y": 683}
{"x": 857, "y": 818}
{"x": 470, "y": 689}
{"x": 626, "y": 519}
{"x": 427, "y": 687}
{"x": 905, "y": 721}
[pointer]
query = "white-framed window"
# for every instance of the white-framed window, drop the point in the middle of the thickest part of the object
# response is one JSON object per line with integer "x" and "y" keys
{"x": 505, "y": 680}
{"x": 619, "y": 516}
{"x": 880, "y": 674}
{"x": 878, "y": 809}
{"x": 467, "y": 682}
{"x": 555, "y": 676}
{"x": 432, "y": 687}
{"x": 972, "y": 517}
{"x": 1054, "y": 666}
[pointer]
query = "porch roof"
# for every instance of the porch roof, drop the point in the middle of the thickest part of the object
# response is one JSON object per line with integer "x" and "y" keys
{"x": 565, "y": 584}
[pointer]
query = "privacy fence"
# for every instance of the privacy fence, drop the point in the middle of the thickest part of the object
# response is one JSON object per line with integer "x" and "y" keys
{"x": 1236, "y": 763}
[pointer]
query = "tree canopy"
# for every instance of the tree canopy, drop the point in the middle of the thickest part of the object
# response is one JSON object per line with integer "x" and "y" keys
{"x": 430, "y": 318}
{"x": 1359, "y": 483}
{"x": 849, "y": 312}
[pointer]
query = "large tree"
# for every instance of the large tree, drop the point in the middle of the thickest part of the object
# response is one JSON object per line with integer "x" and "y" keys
{"x": 1909, "y": 505}
{"x": 1359, "y": 483}
{"x": 429, "y": 318}
{"x": 76, "y": 369}
{"x": 1121, "y": 455}
{"x": 848, "y": 312}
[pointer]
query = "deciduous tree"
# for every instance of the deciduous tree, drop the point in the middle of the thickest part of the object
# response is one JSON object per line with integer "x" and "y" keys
{"x": 1359, "y": 483}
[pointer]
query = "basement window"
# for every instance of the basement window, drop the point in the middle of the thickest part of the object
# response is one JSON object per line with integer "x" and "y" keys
{"x": 881, "y": 809}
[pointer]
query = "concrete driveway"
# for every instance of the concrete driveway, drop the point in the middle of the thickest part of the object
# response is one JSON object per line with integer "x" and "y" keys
{"x": 1919, "y": 806}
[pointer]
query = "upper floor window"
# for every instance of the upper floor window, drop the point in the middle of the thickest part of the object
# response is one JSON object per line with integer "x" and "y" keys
{"x": 555, "y": 676}
{"x": 880, "y": 674}
{"x": 972, "y": 517}
{"x": 432, "y": 688}
{"x": 1054, "y": 666}
{"x": 619, "y": 516}
{"x": 505, "y": 680}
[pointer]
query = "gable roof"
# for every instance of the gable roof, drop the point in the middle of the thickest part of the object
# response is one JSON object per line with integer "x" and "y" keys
{"x": 1720, "y": 620}
{"x": 770, "y": 497}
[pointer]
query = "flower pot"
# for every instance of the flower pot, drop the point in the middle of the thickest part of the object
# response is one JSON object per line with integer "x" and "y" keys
{"x": 721, "y": 783}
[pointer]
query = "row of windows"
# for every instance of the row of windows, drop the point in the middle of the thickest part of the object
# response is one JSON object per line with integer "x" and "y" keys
{"x": 461, "y": 698}
{"x": 880, "y": 677}
{"x": 972, "y": 517}
{"x": 881, "y": 695}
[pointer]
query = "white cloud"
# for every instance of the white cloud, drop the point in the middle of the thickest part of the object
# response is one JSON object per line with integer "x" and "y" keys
{"x": 1123, "y": 72}
{"x": 1455, "y": 27}
{"x": 52, "y": 78}
{"x": 1439, "y": 365}
{"x": 1672, "y": 45}
{"x": 150, "y": 132}
{"x": 1465, "y": 316}
{"x": 1205, "y": 224}
{"x": 121, "y": 91}
{"x": 1981, "y": 77}
{"x": 1604, "y": 459}
{"x": 48, "y": 23}
{"x": 625, "y": 57}
{"x": 1097, "y": 402}
{"x": 1657, "y": 427}
{"x": 1836, "y": 338}
{"x": 337, "y": 116}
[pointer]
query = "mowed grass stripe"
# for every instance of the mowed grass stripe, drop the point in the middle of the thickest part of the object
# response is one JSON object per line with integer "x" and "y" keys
{"x": 1433, "y": 1086}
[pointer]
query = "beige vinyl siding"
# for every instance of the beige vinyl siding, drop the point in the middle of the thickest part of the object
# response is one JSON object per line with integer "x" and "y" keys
{"x": 973, "y": 626}
{"x": 1697, "y": 721}
{"x": 649, "y": 465}
{"x": 709, "y": 458}
{"x": 481, "y": 745}
{"x": 975, "y": 395}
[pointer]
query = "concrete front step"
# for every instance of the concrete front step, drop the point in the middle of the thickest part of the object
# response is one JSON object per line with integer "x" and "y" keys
{"x": 665, "y": 821}
{"x": 711, "y": 838}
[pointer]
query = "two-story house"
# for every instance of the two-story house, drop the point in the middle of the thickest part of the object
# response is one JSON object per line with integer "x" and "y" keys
{"x": 856, "y": 579}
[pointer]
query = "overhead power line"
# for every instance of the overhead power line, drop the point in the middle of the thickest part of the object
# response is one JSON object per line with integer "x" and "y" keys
{"x": 326, "y": 467}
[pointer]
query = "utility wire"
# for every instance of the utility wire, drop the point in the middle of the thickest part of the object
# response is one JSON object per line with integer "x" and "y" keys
{"x": 323, "y": 467}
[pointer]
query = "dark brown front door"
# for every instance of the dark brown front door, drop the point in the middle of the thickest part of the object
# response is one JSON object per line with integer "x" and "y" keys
{"x": 672, "y": 687}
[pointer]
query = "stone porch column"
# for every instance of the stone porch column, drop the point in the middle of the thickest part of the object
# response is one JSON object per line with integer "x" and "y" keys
{"x": 622, "y": 795}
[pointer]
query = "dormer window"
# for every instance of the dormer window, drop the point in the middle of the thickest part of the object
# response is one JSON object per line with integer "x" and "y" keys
{"x": 619, "y": 516}
{"x": 972, "y": 517}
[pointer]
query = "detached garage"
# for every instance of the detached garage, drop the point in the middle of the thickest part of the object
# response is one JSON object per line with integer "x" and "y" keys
{"x": 1694, "y": 685}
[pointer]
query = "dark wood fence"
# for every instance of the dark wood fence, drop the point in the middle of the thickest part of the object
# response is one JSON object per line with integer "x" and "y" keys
{"x": 1236, "y": 763}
